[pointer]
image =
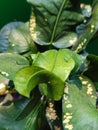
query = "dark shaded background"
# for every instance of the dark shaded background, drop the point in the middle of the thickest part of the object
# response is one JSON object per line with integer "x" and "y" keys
{"x": 13, "y": 10}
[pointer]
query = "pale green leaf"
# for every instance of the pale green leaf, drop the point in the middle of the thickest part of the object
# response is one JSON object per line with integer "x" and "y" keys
{"x": 61, "y": 62}
{"x": 29, "y": 77}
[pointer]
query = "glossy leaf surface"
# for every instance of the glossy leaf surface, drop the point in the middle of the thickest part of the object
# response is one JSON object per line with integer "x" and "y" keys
{"x": 53, "y": 22}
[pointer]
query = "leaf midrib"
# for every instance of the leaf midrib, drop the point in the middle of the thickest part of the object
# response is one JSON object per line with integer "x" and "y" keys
{"x": 56, "y": 22}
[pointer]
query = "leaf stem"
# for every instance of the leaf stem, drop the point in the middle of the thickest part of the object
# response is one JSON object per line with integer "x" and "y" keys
{"x": 56, "y": 23}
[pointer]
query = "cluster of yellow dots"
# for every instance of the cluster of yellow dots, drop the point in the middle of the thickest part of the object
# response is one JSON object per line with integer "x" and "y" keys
{"x": 81, "y": 45}
{"x": 51, "y": 112}
{"x": 65, "y": 97}
{"x": 92, "y": 28}
{"x": 66, "y": 121}
{"x": 89, "y": 87}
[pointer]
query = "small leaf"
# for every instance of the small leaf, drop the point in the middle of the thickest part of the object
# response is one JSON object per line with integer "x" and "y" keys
{"x": 79, "y": 106}
{"x": 28, "y": 78}
{"x": 10, "y": 64}
{"x": 53, "y": 22}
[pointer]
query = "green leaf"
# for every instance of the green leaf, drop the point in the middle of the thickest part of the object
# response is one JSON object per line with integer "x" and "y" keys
{"x": 53, "y": 22}
{"x": 28, "y": 78}
{"x": 4, "y": 34}
{"x": 79, "y": 106}
{"x": 33, "y": 118}
{"x": 20, "y": 40}
{"x": 30, "y": 105}
{"x": 61, "y": 62}
{"x": 9, "y": 113}
{"x": 11, "y": 63}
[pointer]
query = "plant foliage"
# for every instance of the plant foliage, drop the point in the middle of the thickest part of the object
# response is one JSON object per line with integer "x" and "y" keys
{"x": 48, "y": 79}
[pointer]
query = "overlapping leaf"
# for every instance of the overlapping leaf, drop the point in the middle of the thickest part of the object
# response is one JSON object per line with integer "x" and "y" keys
{"x": 53, "y": 22}
{"x": 60, "y": 62}
{"x": 20, "y": 40}
{"x": 4, "y": 34}
{"x": 52, "y": 68}
{"x": 79, "y": 106}
{"x": 10, "y": 64}
{"x": 29, "y": 77}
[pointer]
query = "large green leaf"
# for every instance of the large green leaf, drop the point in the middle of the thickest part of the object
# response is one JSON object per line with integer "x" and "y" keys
{"x": 52, "y": 74}
{"x": 28, "y": 78}
{"x": 10, "y": 63}
{"x": 53, "y": 22}
{"x": 90, "y": 29}
{"x": 79, "y": 106}
{"x": 20, "y": 40}
{"x": 60, "y": 62}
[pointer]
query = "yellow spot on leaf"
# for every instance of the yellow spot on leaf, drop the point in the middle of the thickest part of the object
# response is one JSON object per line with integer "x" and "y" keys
{"x": 69, "y": 106}
{"x": 69, "y": 126}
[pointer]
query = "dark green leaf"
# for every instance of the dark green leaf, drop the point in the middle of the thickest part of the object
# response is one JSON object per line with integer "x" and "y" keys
{"x": 29, "y": 107}
{"x": 8, "y": 115}
{"x": 79, "y": 106}
{"x": 53, "y": 22}
{"x": 31, "y": 123}
{"x": 92, "y": 68}
{"x": 4, "y": 34}
{"x": 11, "y": 63}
